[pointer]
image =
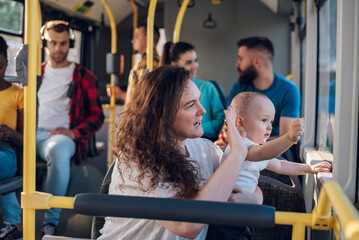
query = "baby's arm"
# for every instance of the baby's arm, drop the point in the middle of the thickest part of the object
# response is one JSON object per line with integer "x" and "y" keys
{"x": 292, "y": 168}
{"x": 276, "y": 147}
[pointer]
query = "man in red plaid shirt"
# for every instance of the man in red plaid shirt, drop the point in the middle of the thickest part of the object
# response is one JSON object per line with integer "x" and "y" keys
{"x": 69, "y": 113}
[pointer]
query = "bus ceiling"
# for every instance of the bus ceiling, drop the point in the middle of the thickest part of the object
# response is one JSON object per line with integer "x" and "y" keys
{"x": 93, "y": 9}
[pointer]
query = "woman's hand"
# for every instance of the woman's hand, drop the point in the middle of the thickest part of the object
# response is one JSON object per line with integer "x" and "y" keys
{"x": 9, "y": 134}
{"x": 6, "y": 133}
{"x": 235, "y": 140}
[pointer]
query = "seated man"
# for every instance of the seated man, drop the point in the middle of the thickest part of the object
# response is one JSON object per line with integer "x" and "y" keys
{"x": 69, "y": 112}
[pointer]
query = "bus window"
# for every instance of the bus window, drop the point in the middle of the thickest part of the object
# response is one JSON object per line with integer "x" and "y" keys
{"x": 302, "y": 72}
{"x": 327, "y": 20}
{"x": 14, "y": 44}
{"x": 11, "y": 16}
{"x": 11, "y": 19}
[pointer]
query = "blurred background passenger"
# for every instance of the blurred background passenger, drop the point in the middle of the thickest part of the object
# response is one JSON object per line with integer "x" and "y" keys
{"x": 11, "y": 129}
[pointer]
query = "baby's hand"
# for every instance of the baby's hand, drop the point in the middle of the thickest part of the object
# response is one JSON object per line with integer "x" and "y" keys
{"x": 235, "y": 140}
{"x": 296, "y": 129}
{"x": 221, "y": 144}
{"x": 321, "y": 167}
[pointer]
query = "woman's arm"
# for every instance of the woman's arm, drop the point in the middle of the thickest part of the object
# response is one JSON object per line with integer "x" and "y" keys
{"x": 219, "y": 187}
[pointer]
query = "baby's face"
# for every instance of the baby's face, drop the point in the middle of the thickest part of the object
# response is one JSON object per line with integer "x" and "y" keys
{"x": 258, "y": 121}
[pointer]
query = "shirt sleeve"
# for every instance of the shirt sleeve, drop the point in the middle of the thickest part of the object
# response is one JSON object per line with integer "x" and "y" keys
{"x": 20, "y": 99}
{"x": 95, "y": 118}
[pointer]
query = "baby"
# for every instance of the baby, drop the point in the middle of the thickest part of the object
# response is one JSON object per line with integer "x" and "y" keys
{"x": 255, "y": 114}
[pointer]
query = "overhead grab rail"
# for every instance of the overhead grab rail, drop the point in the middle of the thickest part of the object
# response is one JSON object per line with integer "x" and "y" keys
{"x": 331, "y": 195}
{"x": 181, "y": 12}
{"x": 209, "y": 22}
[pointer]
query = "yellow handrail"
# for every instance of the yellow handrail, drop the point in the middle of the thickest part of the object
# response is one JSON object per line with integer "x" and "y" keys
{"x": 321, "y": 218}
{"x": 150, "y": 24}
{"x": 332, "y": 195}
{"x": 31, "y": 37}
{"x": 135, "y": 19}
{"x": 181, "y": 12}
{"x": 113, "y": 77}
{"x": 290, "y": 76}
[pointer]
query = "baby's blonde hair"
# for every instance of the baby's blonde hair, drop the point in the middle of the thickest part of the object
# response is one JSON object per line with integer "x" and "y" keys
{"x": 242, "y": 101}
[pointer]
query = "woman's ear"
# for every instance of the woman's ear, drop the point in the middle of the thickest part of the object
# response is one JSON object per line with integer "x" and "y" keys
{"x": 239, "y": 123}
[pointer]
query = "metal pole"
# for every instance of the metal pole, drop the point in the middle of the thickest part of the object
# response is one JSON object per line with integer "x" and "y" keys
{"x": 177, "y": 30}
{"x": 31, "y": 37}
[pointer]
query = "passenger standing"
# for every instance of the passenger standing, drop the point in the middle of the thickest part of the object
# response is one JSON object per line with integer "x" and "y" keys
{"x": 254, "y": 64}
{"x": 11, "y": 129}
{"x": 69, "y": 113}
{"x": 184, "y": 55}
{"x": 139, "y": 45}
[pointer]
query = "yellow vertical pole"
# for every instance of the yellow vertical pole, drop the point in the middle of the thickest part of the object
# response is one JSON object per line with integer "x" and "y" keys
{"x": 135, "y": 20}
{"x": 177, "y": 30}
{"x": 39, "y": 22}
{"x": 298, "y": 232}
{"x": 113, "y": 77}
{"x": 31, "y": 35}
{"x": 150, "y": 24}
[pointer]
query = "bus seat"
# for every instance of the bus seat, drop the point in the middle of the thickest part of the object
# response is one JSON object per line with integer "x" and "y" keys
{"x": 284, "y": 197}
{"x": 10, "y": 185}
{"x": 221, "y": 93}
{"x": 98, "y": 222}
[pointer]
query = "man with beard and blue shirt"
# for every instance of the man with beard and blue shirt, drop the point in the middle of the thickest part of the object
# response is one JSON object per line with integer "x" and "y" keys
{"x": 254, "y": 64}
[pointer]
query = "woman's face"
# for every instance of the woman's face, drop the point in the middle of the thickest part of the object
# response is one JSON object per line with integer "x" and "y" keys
{"x": 188, "y": 60}
{"x": 188, "y": 118}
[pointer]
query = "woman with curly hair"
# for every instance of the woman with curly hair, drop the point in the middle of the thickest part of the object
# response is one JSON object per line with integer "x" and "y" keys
{"x": 160, "y": 154}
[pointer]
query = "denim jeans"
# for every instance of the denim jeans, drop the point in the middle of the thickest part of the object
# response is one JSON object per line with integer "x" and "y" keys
{"x": 9, "y": 203}
{"x": 57, "y": 151}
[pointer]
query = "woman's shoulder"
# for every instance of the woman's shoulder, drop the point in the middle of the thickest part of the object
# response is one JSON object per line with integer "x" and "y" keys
{"x": 14, "y": 87}
{"x": 202, "y": 145}
{"x": 199, "y": 142}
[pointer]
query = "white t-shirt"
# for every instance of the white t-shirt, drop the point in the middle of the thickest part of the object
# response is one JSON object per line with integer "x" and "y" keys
{"x": 54, "y": 104}
{"x": 204, "y": 154}
{"x": 249, "y": 174}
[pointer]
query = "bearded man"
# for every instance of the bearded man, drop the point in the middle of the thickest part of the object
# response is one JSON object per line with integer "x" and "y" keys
{"x": 254, "y": 64}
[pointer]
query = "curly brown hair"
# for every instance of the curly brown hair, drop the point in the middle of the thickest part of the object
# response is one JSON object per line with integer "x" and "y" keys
{"x": 145, "y": 135}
